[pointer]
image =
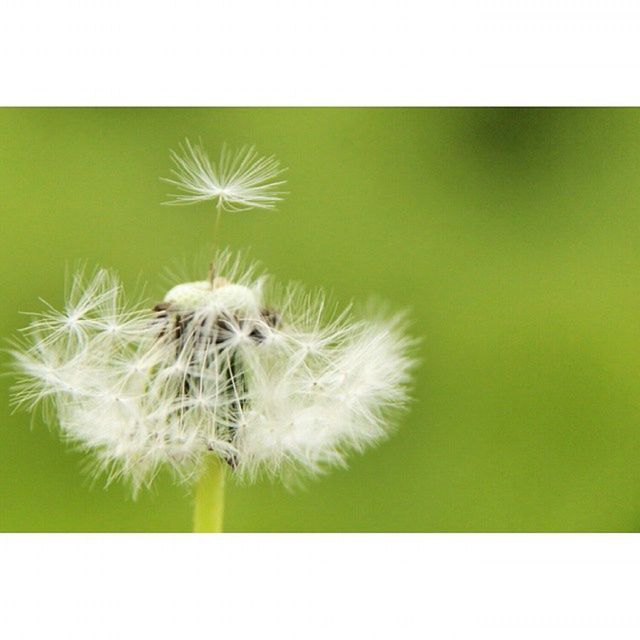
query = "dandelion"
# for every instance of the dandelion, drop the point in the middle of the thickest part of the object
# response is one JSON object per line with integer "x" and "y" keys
{"x": 226, "y": 375}
{"x": 239, "y": 181}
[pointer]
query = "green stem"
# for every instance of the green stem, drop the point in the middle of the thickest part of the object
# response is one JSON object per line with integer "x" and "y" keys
{"x": 209, "y": 497}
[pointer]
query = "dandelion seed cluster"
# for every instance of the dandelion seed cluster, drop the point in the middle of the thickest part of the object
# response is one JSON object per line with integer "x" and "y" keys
{"x": 272, "y": 381}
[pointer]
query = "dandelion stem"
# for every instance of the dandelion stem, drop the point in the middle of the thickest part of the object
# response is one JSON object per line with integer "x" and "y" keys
{"x": 209, "y": 497}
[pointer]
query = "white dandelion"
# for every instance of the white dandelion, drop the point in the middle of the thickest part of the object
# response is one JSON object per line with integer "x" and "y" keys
{"x": 270, "y": 385}
{"x": 227, "y": 373}
{"x": 238, "y": 181}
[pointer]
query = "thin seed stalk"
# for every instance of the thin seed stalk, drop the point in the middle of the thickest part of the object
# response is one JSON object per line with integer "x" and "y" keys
{"x": 208, "y": 510}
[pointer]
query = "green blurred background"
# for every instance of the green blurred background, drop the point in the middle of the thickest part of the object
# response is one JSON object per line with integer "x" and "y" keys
{"x": 513, "y": 235}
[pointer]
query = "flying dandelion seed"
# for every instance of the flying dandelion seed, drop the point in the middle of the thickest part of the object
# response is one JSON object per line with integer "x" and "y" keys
{"x": 238, "y": 181}
{"x": 262, "y": 381}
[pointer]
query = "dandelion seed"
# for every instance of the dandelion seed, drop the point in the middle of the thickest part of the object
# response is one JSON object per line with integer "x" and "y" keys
{"x": 238, "y": 181}
{"x": 269, "y": 384}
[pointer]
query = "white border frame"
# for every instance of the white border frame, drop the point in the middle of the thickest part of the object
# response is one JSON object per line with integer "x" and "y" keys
{"x": 319, "y": 586}
{"x": 338, "y": 52}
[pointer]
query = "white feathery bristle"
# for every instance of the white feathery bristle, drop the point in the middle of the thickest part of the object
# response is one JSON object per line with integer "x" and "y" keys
{"x": 274, "y": 387}
{"x": 238, "y": 181}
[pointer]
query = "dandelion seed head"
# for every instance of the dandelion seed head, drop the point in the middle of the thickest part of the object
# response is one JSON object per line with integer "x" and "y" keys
{"x": 270, "y": 380}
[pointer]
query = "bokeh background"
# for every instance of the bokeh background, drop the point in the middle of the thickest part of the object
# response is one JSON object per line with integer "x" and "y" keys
{"x": 512, "y": 235}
